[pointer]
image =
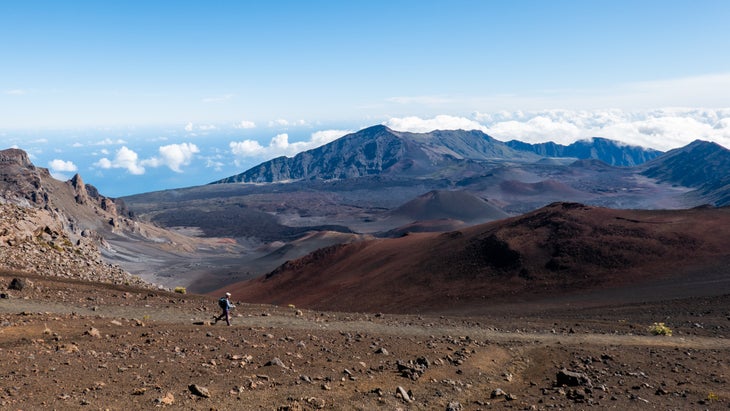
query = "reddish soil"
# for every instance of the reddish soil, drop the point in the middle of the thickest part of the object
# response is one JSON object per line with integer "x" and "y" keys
{"x": 562, "y": 252}
{"x": 74, "y": 345}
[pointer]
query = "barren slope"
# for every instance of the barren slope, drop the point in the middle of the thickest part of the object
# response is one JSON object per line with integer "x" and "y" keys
{"x": 551, "y": 252}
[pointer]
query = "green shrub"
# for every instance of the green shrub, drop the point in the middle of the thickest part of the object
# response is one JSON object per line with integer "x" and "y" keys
{"x": 180, "y": 290}
{"x": 660, "y": 329}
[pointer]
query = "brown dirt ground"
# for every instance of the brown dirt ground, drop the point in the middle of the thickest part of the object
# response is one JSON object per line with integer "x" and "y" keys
{"x": 73, "y": 345}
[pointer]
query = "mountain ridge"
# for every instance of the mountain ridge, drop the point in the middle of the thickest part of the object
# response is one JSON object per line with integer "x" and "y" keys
{"x": 379, "y": 150}
{"x": 609, "y": 151}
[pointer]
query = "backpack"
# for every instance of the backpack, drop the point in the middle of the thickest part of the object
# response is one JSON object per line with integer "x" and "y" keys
{"x": 223, "y": 302}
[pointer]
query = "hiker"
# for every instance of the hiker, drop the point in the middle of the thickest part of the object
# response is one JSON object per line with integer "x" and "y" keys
{"x": 225, "y": 304}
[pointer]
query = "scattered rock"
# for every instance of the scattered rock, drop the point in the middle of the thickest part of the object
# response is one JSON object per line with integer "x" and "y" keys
{"x": 199, "y": 390}
{"x": 276, "y": 362}
{"x": 413, "y": 369}
{"x": 572, "y": 379}
{"x": 317, "y": 403}
{"x": 497, "y": 393}
{"x": 401, "y": 392}
{"x": 454, "y": 406}
{"x": 17, "y": 284}
{"x": 168, "y": 399}
{"x": 93, "y": 332}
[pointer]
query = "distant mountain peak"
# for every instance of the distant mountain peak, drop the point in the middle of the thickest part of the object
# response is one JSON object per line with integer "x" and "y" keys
{"x": 701, "y": 164}
{"x": 609, "y": 151}
{"x": 378, "y": 127}
{"x": 378, "y": 150}
{"x": 709, "y": 145}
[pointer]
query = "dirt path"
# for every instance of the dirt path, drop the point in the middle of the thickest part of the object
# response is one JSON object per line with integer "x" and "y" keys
{"x": 287, "y": 319}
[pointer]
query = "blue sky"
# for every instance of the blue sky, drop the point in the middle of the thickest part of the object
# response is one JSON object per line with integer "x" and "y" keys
{"x": 146, "y": 95}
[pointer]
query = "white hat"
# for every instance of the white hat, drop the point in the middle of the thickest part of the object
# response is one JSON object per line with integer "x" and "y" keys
{"x": 228, "y": 294}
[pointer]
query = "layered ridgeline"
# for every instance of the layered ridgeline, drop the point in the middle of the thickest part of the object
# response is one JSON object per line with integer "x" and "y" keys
{"x": 379, "y": 150}
{"x": 516, "y": 176}
{"x": 609, "y": 151}
{"x": 370, "y": 181}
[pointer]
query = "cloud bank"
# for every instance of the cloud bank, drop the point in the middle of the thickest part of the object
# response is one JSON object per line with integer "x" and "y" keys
{"x": 662, "y": 129}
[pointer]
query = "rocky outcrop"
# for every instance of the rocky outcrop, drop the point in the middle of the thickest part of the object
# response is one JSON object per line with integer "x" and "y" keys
{"x": 55, "y": 228}
{"x": 82, "y": 196}
{"x": 21, "y": 180}
{"x": 33, "y": 241}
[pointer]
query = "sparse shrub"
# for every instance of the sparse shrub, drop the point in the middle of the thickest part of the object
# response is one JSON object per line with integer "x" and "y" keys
{"x": 660, "y": 329}
{"x": 292, "y": 306}
{"x": 180, "y": 290}
{"x": 713, "y": 397}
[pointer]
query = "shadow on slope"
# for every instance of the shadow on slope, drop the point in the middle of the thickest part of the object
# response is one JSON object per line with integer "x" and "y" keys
{"x": 555, "y": 251}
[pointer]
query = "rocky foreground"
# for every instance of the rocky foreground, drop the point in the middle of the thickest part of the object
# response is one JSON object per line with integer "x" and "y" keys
{"x": 68, "y": 344}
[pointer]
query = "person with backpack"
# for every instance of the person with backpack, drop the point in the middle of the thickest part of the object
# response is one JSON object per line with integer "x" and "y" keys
{"x": 225, "y": 304}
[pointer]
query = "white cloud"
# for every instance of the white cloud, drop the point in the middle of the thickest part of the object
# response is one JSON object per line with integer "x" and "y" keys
{"x": 125, "y": 158}
{"x": 245, "y": 124}
{"x": 104, "y": 163}
{"x": 662, "y": 129}
{"x": 535, "y": 129}
{"x": 325, "y": 136}
{"x": 109, "y": 142}
{"x": 191, "y": 128}
{"x": 16, "y": 92}
{"x": 280, "y": 122}
{"x": 173, "y": 156}
{"x": 57, "y": 165}
{"x": 246, "y": 148}
{"x": 279, "y": 145}
{"x": 214, "y": 163}
{"x": 58, "y": 168}
{"x": 440, "y": 122}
